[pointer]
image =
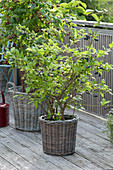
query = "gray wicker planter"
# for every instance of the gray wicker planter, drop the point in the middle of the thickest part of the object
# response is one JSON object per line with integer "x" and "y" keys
{"x": 26, "y": 116}
{"x": 59, "y": 137}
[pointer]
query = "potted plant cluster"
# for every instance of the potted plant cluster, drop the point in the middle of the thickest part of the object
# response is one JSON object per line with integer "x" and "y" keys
{"x": 57, "y": 73}
{"x": 37, "y": 16}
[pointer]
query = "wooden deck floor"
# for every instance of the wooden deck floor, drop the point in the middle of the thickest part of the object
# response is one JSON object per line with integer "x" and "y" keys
{"x": 23, "y": 150}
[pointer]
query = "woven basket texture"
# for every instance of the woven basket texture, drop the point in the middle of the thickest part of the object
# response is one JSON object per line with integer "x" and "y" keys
{"x": 3, "y": 81}
{"x": 59, "y": 137}
{"x": 26, "y": 116}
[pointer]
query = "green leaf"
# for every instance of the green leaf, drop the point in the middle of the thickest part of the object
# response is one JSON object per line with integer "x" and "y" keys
{"x": 13, "y": 50}
{"x": 95, "y": 17}
{"x": 28, "y": 89}
{"x": 64, "y": 5}
{"x": 65, "y": 98}
{"x": 80, "y": 9}
{"x": 74, "y": 3}
{"x": 102, "y": 94}
{"x": 35, "y": 103}
{"x": 90, "y": 31}
{"x": 111, "y": 45}
{"x": 56, "y": 106}
{"x": 103, "y": 102}
{"x": 82, "y": 17}
{"x": 83, "y": 4}
{"x": 68, "y": 106}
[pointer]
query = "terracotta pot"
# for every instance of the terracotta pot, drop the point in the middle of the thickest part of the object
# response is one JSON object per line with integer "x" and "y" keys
{"x": 4, "y": 112}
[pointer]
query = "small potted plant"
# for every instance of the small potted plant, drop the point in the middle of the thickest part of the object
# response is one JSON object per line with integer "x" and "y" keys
{"x": 36, "y": 15}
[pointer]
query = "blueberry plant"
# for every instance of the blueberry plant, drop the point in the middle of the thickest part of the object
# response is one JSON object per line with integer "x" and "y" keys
{"x": 60, "y": 73}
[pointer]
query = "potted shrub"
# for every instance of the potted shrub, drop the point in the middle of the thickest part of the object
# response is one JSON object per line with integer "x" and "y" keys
{"x": 59, "y": 73}
{"x": 39, "y": 17}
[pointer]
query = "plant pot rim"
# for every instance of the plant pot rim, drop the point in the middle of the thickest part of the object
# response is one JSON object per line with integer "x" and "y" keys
{"x": 16, "y": 90}
{"x": 42, "y": 118}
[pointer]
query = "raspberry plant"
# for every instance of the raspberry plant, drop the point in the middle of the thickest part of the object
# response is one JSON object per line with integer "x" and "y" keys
{"x": 36, "y": 15}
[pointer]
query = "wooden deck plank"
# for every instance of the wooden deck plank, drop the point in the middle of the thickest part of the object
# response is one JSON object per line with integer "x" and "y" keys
{"x": 94, "y": 153}
{"x": 5, "y": 165}
{"x": 87, "y": 118}
{"x": 27, "y": 154}
{"x": 75, "y": 159}
{"x": 97, "y": 136}
{"x": 35, "y": 150}
{"x": 15, "y": 159}
{"x": 85, "y": 141}
{"x": 23, "y": 150}
{"x": 83, "y": 160}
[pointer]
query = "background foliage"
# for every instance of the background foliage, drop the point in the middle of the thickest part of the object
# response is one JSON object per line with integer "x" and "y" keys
{"x": 101, "y": 7}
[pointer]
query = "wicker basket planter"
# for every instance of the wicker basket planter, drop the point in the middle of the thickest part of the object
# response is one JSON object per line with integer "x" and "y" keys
{"x": 59, "y": 137}
{"x": 26, "y": 116}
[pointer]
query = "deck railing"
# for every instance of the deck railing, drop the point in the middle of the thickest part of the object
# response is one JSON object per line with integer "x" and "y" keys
{"x": 91, "y": 102}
